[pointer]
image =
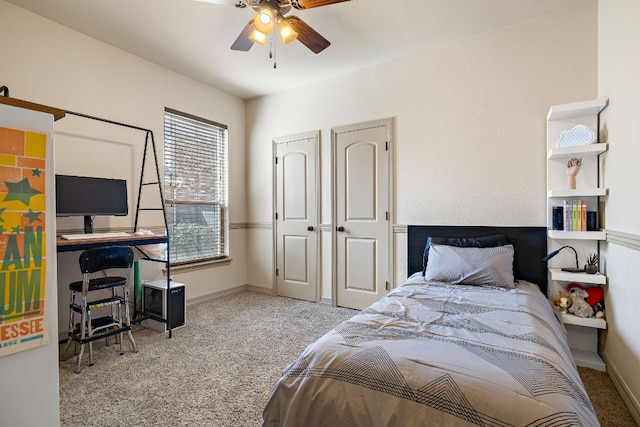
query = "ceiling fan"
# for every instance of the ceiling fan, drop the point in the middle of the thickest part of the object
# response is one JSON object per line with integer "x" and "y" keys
{"x": 270, "y": 16}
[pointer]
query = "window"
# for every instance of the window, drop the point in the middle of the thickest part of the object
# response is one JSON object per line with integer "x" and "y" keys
{"x": 195, "y": 178}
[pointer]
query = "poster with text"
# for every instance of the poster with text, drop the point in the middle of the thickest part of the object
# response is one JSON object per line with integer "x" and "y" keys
{"x": 22, "y": 240}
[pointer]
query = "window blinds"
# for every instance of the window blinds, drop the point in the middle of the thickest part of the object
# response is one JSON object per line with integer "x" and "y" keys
{"x": 195, "y": 176}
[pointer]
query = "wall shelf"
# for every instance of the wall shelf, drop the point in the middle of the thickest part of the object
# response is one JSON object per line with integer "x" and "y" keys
{"x": 577, "y": 235}
{"x": 591, "y": 322}
{"x": 588, "y": 359}
{"x": 577, "y": 192}
{"x": 577, "y": 109}
{"x": 562, "y": 153}
{"x": 582, "y": 333}
{"x": 565, "y": 276}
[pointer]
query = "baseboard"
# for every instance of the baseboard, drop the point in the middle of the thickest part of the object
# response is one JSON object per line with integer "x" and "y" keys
{"x": 630, "y": 401}
{"x": 230, "y": 291}
{"x": 260, "y": 289}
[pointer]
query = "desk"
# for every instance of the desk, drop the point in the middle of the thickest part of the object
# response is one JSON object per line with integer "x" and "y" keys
{"x": 63, "y": 245}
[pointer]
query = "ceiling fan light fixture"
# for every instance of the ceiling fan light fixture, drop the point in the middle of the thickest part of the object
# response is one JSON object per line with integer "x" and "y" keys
{"x": 269, "y": 14}
{"x": 264, "y": 20}
{"x": 258, "y": 37}
{"x": 287, "y": 33}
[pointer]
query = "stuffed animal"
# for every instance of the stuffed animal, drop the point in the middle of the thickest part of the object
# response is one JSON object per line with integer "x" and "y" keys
{"x": 563, "y": 302}
{"x": 598, "y": 309}
{"x": 594, "y": 299}
{"x": 580, "y": 307}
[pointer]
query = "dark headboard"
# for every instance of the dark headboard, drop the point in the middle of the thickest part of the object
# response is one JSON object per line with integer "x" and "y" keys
{"x": 530, "y": 246}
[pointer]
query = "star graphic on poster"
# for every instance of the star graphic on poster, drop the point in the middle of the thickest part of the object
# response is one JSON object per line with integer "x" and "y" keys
{"x": 20, "y": 191}
{"x": 2, "y": 230}
{"x": 16, "y": 229}
{"x": 35, "y": 172}
{"x": 32, "y": 216}
{"x": 1, "y": 212}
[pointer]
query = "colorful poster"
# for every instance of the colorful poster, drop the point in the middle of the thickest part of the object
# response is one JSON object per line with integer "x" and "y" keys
{"x": 22, "y": 240}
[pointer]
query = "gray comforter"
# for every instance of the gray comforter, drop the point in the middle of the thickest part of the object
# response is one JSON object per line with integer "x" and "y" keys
{"x": 436, "y": 354}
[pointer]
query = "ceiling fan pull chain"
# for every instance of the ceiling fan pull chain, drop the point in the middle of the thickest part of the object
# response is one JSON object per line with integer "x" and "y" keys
{"x": 273, "y": 46}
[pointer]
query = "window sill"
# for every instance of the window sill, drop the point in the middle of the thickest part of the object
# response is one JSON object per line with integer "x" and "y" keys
{"x": 199, "y": 265}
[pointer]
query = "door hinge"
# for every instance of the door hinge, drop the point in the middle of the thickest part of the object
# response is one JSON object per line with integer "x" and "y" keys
{"x": 277, "y": 272}
{"x": 276, "y": 215}
{"x": 387, "y": 286}
{"x": 386, "y": 146}
{"x": 276, "y": 160}
{"x": 386, "y": 216}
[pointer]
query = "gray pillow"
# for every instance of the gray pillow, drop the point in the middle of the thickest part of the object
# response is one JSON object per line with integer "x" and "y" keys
{"x": 463, "y": 242}
{"x": 471, "y": 266}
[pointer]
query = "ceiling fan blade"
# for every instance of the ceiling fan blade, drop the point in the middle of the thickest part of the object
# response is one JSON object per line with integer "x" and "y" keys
{"x": 243, "y": 42}
{"x": 308, "y": 36}
{"x": 308, "y": 4}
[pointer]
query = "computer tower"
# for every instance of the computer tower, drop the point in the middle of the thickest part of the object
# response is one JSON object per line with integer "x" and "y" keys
{"x": 154, "y": 303}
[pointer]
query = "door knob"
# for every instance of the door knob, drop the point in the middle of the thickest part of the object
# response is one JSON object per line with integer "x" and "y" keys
{"x": 340, "y": 229}
{"x": 310, "y": 228}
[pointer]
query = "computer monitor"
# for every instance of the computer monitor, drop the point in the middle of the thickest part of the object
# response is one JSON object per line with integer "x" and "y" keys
{"x": 89, "y": 196}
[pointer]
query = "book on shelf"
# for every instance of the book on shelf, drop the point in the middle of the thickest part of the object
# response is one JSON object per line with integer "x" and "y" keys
{"x": 574, "y": 215}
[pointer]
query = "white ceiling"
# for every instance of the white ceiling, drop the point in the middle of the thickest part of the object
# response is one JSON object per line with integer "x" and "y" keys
{"x": 193, "y": 37}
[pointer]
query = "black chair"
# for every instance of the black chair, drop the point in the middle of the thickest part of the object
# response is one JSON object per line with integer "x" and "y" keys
{"x": 87, "y": 329}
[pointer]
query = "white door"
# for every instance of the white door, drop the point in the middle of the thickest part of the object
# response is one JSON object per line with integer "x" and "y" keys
{"x": 362, "y": 226}
{"x": 296, "y": 216}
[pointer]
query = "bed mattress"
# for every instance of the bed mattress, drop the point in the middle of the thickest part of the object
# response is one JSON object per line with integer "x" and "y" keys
{"x": 438, "y": 354}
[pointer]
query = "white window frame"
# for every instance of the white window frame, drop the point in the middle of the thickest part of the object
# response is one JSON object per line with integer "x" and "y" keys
{"x": 195, "y": 187}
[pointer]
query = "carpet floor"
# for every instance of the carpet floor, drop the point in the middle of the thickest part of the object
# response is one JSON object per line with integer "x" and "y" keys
{"x": 218, "y": 370}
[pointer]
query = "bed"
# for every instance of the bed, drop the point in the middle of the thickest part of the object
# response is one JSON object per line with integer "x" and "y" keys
{"x": 445, "y": 352}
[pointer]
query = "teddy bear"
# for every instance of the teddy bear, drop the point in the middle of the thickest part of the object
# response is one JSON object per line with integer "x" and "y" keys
{"x": 594, "y": 299}
{"x": 563, "y": 302}
{"x": 580, "y": 307}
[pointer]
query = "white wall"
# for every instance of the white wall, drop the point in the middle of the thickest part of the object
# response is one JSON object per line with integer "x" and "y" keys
{"x": 53, "y": 65}
{"x": 50, "y": 64}
{"x": 618, "y": 71}
{"x": 470, "y": 128}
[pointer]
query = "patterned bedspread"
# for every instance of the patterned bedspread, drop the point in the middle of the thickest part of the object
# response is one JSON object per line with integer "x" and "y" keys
{"x": 434, "y": 354}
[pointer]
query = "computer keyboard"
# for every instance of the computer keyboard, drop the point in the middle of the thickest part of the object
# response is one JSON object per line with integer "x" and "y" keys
{"x": 94, "y": 235}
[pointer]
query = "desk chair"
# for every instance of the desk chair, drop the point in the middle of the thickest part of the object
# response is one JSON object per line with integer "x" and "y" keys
{"x": 87, "y": 329}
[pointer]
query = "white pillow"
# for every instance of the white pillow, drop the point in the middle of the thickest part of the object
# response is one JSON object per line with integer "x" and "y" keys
{"x": 471, "y": 266}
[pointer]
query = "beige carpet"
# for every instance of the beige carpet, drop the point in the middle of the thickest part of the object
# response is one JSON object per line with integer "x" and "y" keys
{"x": 219, "y": 369}
{"x": 606, "y": 401}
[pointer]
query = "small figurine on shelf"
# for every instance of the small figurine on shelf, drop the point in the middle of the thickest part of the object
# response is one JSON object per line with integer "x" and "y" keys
{"x": 592, "y": 263}
{"x": 573, "y": 167}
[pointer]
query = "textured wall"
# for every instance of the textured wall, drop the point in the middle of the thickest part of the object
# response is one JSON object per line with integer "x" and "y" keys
{"x": 469, "y": 120}
{"x": 618, "y": 71}
{"x": 53, "y": 65}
